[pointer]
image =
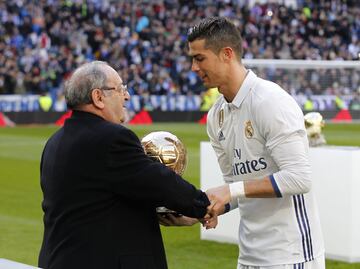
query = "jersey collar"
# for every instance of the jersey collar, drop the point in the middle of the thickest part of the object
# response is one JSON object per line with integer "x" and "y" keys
{"x": 245, "y": 88}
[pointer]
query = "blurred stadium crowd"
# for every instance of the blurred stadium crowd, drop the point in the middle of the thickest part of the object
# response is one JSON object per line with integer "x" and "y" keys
{"x": 42, "y": 41}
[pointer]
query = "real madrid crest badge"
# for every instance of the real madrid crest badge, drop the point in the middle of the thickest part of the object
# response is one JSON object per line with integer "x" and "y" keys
{"x": 249, "y": 131}
{"x": 221, "y": 117}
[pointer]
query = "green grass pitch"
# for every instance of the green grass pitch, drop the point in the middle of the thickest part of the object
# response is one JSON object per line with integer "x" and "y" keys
{"x": 20, "y": 196}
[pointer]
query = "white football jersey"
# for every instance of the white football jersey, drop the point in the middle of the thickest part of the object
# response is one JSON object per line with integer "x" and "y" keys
{"x": 261, "y": 133}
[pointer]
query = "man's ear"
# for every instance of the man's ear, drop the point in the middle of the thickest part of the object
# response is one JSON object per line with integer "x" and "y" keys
{"x": 227, "y": 54}
{"x": 97, "y": 97}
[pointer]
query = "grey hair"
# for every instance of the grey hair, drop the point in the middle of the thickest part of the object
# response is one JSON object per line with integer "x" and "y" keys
{"x": 84, "y": 79}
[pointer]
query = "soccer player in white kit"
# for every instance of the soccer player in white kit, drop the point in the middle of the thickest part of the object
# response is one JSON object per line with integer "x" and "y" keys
{"x": 257, "y": 131}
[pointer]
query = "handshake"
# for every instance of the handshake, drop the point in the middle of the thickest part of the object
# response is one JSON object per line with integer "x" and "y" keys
{"x": 219, "y": 204}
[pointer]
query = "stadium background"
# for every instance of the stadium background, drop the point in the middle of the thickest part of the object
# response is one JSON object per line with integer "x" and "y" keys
{"x": 41, "y": 42}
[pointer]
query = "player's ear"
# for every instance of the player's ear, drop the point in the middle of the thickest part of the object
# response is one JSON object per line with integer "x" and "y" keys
{"x": 97, "y": 98}
{"x": 227, "y": 54}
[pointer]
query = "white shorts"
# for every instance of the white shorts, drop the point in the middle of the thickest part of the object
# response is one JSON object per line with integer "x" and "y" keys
{"x": 317, "y": 263}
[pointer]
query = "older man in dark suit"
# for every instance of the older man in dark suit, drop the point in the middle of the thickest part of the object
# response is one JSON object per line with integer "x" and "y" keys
{"x": 100, "y": 189}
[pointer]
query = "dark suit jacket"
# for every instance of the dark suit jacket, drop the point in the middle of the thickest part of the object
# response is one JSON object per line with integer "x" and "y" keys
{"x": 100, "y": 194}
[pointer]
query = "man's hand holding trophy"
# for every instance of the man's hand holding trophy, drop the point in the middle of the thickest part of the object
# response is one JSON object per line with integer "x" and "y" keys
{"x": 166, "y": 148}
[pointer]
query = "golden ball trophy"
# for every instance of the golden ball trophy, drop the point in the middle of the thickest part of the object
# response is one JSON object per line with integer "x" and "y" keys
{"x": 314, "y": 124}
{"x": 167, "y": 149}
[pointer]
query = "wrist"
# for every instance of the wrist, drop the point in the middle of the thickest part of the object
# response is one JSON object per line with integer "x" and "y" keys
{"x": 237, "y": 190}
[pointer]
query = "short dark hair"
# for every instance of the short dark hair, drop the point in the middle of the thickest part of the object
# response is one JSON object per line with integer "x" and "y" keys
{"x": 218, "y": 33}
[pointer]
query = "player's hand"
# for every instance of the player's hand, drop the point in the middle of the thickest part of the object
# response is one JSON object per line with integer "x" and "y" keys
{"x": 209, "y": 222}
{"x": 170, "y": 219}
{"x": 219, "y": 197}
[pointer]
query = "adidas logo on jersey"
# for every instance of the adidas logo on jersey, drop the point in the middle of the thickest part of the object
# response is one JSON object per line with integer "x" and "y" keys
{"x": 221, "y": 136}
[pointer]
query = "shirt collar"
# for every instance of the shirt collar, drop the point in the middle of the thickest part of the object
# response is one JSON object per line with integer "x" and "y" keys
{"x": 245, "y": 88}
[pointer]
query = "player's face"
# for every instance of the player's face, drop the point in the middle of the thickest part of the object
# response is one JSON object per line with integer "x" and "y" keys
{"x": 116, "y": 96}
{"x": 206, "y": 64}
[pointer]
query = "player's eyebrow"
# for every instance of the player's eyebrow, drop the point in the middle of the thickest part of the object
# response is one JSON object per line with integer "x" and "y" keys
{"x": 195, "y": 55}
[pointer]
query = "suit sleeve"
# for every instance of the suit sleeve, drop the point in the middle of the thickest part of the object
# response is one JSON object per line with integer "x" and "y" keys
{"x": 136, "y": 177}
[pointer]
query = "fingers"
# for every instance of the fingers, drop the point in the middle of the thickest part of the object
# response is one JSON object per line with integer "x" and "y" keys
{"x": 209, "y": 222}
{"x": 214, "y": 209}
{"x": 163, "y": 220}
{"x": 212, "y": 223}
{"x": 176, "y": 220}
{"x": 211, "y": 207}
{"x": 173, "y": 219}
{"x": 219, "y": 197}
{"x": 207, "y": 216}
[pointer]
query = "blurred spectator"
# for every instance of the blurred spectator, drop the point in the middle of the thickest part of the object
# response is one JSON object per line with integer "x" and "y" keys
{"x": 208, "y": 99}
{"x": 59, "y": 104}
{"x": 41, "y": 42}
{"x": 355, "y": 102}
{"x": 45, "y": 102}
{"x": 339, "y": 103}
{"x": 309, "y": 104}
